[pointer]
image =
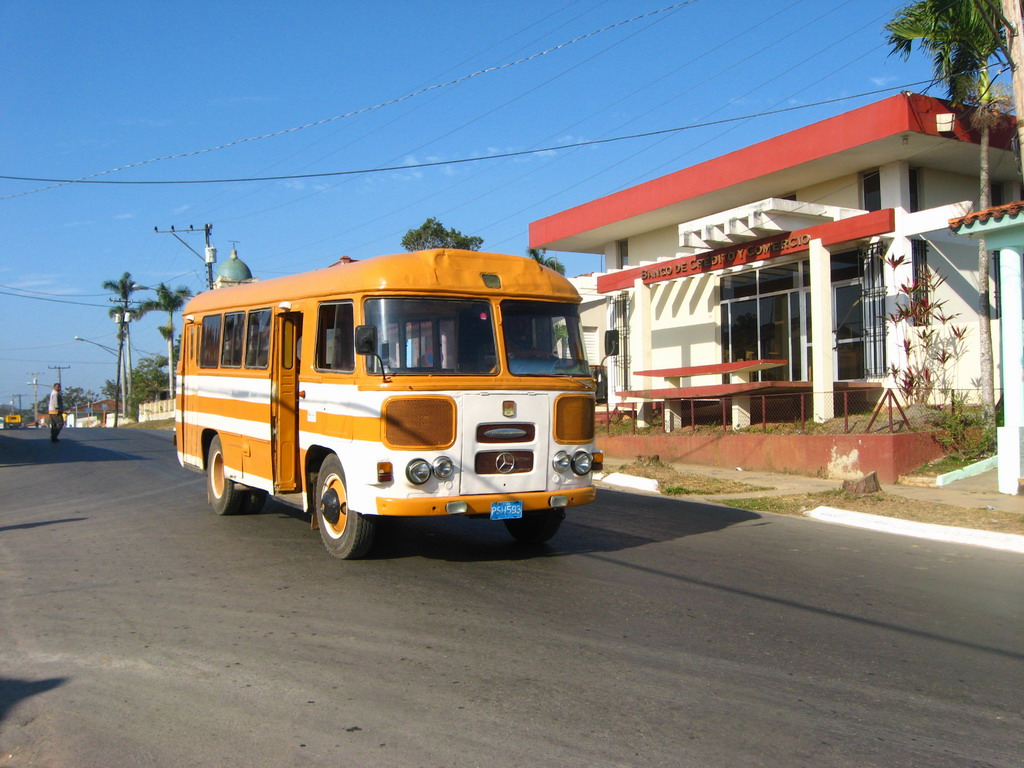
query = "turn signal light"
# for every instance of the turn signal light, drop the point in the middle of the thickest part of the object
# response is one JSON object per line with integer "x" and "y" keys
{"x": 385, "y": 472}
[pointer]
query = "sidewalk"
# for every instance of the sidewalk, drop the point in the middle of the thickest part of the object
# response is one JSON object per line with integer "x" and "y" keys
{"x": 975, "y": 493}
{"x": 979, "y": 492}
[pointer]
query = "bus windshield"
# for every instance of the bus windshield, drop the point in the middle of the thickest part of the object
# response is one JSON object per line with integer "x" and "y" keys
{"x": 432, "y": 336}
{"x": 543, "y": 339}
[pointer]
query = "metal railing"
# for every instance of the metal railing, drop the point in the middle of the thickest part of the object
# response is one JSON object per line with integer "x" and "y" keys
{"x": 855, "y": 411}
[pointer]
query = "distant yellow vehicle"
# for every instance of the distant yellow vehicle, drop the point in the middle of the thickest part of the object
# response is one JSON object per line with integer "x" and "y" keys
{"x": 13, "y": 421}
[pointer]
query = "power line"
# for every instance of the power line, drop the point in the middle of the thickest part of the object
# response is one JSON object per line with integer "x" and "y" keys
{"x": 56, "y": 301}
{"x": 459, "y": 161}
{"x": 412, "y": 94}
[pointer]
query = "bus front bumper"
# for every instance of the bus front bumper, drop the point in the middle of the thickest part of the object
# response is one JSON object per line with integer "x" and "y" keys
{"x": 430, "y": 506}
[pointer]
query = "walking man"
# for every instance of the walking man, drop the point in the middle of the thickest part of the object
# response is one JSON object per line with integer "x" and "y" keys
{"x": 56, "y": 410}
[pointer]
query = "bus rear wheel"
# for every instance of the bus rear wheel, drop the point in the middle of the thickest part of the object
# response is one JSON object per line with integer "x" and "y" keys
{"x": 536, "y": 528}
{"x": 345, "y": 533}
{"x": 224, "y": 494}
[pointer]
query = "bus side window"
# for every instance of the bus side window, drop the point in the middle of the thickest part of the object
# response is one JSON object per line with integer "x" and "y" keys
{"x": 234, "y": 337}
{"x": 335, "y": 350}
{"x": 257, "y": 342}
{"x": 209, "y": 353}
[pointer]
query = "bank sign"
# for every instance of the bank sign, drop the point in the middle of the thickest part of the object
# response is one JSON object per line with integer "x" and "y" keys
{"x": 830, "y": 233}
{"x": 726, "y": 257}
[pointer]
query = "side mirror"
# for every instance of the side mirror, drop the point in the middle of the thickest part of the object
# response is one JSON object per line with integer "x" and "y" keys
{"x": 600, "y": 385}
{"x": 366, "y": 340}
{"x": 611, "y": 343}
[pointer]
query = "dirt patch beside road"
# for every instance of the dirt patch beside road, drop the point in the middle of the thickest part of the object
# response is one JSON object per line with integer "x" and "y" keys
{"x": 887, "y": 505}
{"x": 676, "y": 483}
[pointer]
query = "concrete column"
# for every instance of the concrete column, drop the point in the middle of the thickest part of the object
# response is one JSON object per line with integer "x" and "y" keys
{"x": 1010, "y": 437}
{"x": 902, "y": 274}
{"x": 640, "y": 344}
{"x": 741, "y": 412}
{"x": 822, "y": 354}
{"x": 673, "y": 415}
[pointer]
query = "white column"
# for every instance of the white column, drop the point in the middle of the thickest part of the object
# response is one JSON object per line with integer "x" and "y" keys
{"x": 640, "y": 354}
{"x": 822, "y": 355}
{"x": 1010, "y": 437}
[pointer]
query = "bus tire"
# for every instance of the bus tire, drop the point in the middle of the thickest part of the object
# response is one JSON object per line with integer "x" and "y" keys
{"x": 345, "y": 533}
{"x": 536, "y": 528}
{"x": 224, "y": 494}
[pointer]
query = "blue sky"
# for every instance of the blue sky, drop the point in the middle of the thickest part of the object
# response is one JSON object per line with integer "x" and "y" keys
{"x": 93, "y": 87}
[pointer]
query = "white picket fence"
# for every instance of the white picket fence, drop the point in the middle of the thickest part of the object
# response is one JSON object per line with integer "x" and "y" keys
{"x": 161, "y": 409}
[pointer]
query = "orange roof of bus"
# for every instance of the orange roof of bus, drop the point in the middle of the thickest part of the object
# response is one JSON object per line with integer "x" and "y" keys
{"x": 451, "y": 272}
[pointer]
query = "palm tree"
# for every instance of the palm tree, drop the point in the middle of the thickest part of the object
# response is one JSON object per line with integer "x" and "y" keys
{"x": 963, "y": 38}
{"x": 122, "y": 288}
{"x": 540, "y": 255}
{"x": 170, "y": 301}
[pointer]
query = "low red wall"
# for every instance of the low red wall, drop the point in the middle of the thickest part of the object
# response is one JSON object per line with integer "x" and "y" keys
{"x": 833, "y": 456}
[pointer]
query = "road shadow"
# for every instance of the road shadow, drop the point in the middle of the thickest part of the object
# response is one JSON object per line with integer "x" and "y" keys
{"x": 13, "y": 691}
{"x": 23, "y": 526}
{"x": 33, "y": 446}
{"x": 616, "y": 521}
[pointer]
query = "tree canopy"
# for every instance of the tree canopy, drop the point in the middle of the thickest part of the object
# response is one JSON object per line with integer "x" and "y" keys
{"x": 540, "y": 255}
{"x": 432, "y": 234}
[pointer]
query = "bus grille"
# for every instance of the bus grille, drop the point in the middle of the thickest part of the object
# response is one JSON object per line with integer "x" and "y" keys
{"x": 574, "y": 419}
{"x": 419, "y": 422}
{"x": 503, "y": 462}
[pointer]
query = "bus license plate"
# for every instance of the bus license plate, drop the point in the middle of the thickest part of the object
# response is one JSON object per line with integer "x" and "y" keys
{"x": 506, "y": 510}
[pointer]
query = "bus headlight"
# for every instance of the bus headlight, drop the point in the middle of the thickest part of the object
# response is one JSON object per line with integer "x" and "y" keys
{"x": 417, "y": 471}
{"x": 444, "y": 468}
{"x": 561, "y": 461}
{"x": 581, "y": 462}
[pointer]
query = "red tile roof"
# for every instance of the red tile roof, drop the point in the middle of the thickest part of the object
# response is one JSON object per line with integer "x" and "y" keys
{"x": 996, "y": 212}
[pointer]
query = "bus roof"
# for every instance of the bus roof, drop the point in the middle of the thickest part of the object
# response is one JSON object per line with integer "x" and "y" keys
{"x": 438, "y": 271}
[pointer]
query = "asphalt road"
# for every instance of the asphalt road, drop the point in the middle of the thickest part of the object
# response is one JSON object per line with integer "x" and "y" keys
{"x": 139, "y": 629}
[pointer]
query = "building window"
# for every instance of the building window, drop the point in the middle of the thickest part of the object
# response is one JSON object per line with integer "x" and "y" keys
{"x": 915, "y": 193}
{"x": 871, "y": 190}
{"x": 620, "y": 321}
{"x": 997, "y": 194}
{"x": 621, "y": 253}
{"x": 922, "y": 280}
{"x": 997, "y": 286}
{"x": 874, "y": 311}
{"x": 761, "y": 319}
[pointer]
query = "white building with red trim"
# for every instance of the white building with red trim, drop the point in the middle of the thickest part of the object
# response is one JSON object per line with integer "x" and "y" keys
{"x": 716, "y": 275}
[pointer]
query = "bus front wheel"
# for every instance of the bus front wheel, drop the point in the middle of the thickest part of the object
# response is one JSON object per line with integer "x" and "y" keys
{"x": 536, "y": 528}
{"x": 224, "y": 494}
{"x": 345, "y": 533}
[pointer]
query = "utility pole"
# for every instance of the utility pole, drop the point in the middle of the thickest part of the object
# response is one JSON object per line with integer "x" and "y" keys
{"x": 210, "y": 256}
{"x": 58, "y": 369}
{"x": 35, "y": 397}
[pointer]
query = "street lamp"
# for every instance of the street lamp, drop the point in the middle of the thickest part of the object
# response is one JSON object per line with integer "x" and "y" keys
{"x": 111, "y": 350}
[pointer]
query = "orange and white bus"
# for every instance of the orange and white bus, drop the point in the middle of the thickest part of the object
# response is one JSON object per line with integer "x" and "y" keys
{"x": 437, "y": 382}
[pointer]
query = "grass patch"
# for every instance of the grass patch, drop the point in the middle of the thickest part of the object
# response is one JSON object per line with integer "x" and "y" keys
{"x": 944, "y": 465}
{"x": 676, "y": 483}
{"x": 159, "y": 424}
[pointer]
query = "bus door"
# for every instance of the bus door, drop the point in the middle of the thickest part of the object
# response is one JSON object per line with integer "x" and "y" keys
{"x": 284, "y": 404}
{"x": 189, "y": 442}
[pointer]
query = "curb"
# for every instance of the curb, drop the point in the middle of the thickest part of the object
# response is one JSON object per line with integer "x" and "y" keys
{"x": 1007, "y": 542}
{"x": 940, "y": 481}
{"x": 974, "y": 469}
